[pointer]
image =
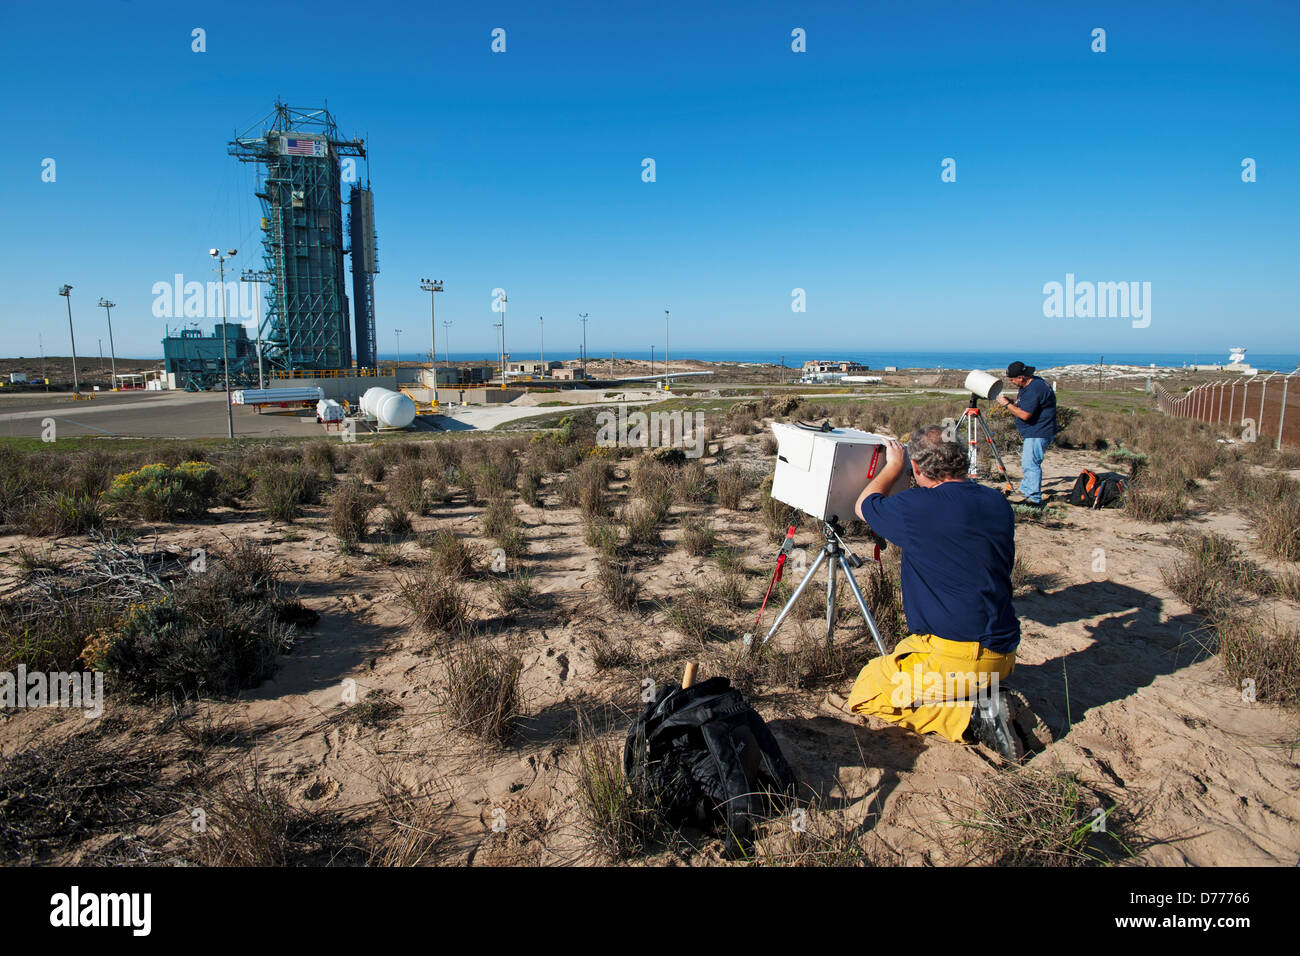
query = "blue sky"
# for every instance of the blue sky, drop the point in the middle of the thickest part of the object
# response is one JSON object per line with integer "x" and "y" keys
{"x": 775, "y": 170}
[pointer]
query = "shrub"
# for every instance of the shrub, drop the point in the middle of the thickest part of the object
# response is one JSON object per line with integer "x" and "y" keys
{"x": 160, "y": 492}
{"x": 218, "y": 632}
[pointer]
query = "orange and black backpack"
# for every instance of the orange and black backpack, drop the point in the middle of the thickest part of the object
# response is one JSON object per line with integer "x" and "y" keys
{"x": 1094, "y": 489}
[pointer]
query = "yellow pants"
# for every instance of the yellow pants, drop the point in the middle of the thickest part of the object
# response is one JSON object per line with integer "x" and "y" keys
{"x": 928, "y": 684}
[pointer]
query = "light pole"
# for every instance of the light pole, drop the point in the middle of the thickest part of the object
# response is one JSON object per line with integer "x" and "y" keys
{"x": 398, "y": 333}
{"x": 541, "y": 343}
{"x": 108, "y": 309}
{"x": 254, "y": 275}
{"x": 225, "y": 356}
{"x": 665, "y": 350}
{"x": 582, "y": 317}
{"x": 446, "y": 341}
{"x": 652, "y": 361}
{"x": 502, "y": 326}
{"x": 65, "y": 291}
{"x": 433, "y": 287}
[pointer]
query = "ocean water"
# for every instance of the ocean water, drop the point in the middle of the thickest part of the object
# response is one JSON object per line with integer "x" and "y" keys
{"x": 1275, "y": 362}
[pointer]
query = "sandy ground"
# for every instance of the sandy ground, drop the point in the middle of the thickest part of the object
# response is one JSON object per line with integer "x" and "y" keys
{"x": 1109, "y": 658}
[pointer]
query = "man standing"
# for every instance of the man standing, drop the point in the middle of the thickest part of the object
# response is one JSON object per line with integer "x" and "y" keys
{"x": 958, "y": 544}
{"x": 1034, "y": 409}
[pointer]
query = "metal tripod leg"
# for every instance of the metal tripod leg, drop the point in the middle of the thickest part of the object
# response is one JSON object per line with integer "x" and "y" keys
{"x": 830, "y": 598}
{"x": 972, "y": 446}
{"x": 862, "y": 604}
{"x": 996, "y": 453}
{"x": 789, "y": 605}
{"x": 837, "y": 558}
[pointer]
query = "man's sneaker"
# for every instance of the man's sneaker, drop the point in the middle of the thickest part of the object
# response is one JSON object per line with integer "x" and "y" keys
{"x": 990, "y": 725}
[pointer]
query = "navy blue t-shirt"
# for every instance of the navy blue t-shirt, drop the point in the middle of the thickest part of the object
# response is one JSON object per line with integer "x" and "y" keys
{"x": 1038, "y": 399}
{"x": 959, "y": 542}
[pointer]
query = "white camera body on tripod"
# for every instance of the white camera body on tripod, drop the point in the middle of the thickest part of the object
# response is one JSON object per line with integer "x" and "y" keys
{"x": 822, "y": 473}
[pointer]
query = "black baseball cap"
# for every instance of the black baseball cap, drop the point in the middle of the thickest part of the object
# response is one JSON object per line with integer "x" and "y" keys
{"x": 1017, "y": 369}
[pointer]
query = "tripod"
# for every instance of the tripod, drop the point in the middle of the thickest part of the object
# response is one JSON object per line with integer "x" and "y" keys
{"x": 837, "y": 554}
{"x": 974, "y": 427}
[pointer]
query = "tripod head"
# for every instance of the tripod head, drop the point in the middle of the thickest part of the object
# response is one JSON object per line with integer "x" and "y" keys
{"x": 835, "y": 532}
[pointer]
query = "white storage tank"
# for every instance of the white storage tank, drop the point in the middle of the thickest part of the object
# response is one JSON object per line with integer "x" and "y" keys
{"x": 390, "y": 409}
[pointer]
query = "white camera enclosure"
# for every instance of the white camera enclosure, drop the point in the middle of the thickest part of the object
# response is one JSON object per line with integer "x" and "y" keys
{"x": 822, "y": 473}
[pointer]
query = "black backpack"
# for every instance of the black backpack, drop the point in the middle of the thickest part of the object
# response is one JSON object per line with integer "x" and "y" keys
{"x": 1093, "y": 489}
{"x": 703, "y": 756}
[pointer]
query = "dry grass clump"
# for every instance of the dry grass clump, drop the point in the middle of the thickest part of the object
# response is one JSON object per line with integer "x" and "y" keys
{"x": 499, "y": 517}
{"x": 1212, "y": 572}
{"x": 617, "y": 583}
{"x": 62, "y": 793}
{"x": 585, "y": 487}
{"x": 691, "y": 483}
{"x": 1264, "y": 652}
{"x": 249, "y": 822}
{"x": 350, "y": 506}
{"x": 396, "y": 522}
{"x": 452, "y": 557}
{"x": 641, "y": 521}
{"x": 730, "y": 589}
{"x": 321, "y": 456}
{"x": 481, "y": 692}
{"x": 614, "y": 821}
{"x": 406, "y": 487}
{"x": 692, "y": 613}
{"x": 529, "y": 484}
{"x": 1027, "y": 817}
{"x": 601, "y": 534}
{"x": 435, "y": 603}
{"x": 698, "y": 535}
{"x": 733, "y": 481}
{"x": 610, "y": 653}
{"x": 514, "y": 591}
{"x": 822, "y": 838}
{"x": 411, "y": 829}
{"x": 281, "y": 490}
{"x": 371, "y": 463}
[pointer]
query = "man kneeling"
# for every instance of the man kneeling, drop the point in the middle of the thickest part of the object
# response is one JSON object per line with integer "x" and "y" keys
{"x": 958, "y": 544}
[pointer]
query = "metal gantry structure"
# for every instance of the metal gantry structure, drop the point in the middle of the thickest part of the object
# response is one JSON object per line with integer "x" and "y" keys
{"x": 305, "y": 325}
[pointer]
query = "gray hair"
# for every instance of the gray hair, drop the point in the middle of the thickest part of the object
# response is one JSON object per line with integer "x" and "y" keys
{"x": 937, "y": 452}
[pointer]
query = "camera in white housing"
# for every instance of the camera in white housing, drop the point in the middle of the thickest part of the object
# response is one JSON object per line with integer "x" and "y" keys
{"x": 822, "y": 473}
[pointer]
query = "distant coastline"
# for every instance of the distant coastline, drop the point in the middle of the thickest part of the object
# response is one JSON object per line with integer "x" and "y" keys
{"x": 794, "y": 358}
